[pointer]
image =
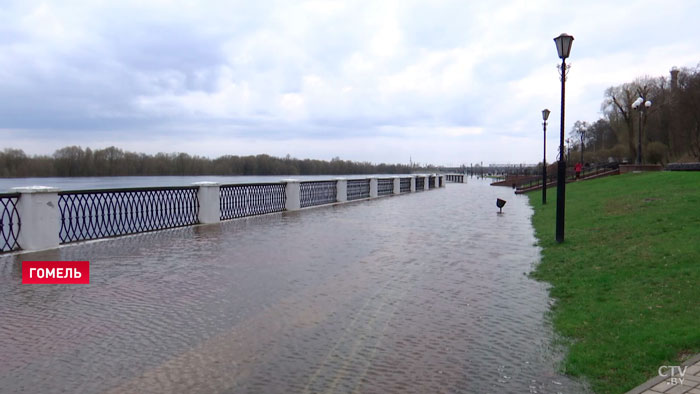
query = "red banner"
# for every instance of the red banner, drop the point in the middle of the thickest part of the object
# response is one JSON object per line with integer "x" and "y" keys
{"x": 56, "y": 272}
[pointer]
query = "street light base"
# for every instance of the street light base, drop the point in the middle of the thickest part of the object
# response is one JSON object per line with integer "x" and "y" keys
{"x": 561, "y": 197}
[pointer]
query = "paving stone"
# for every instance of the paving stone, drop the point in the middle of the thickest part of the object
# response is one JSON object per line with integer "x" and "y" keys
{"x": 662, "y": 387}
{"x": 691, "y": 381}
{"x": 694, "y": 369}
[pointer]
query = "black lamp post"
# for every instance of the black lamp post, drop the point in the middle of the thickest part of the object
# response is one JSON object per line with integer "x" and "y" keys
{"x": 640, "y": 105}
{"x": 563, "y": 43}
{"x": 545, "y": 115}
{"x": 582, "y": 135}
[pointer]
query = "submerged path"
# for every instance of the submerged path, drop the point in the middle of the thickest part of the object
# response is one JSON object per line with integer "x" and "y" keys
{"x": 422, "y": 293}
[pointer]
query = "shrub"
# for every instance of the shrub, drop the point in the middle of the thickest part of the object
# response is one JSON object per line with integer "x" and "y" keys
{"x": 655, "y": 152}
{"x": 619, "y": 153}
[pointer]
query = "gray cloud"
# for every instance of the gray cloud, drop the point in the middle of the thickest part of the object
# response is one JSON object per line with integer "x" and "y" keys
{"x": 451, "y": 81}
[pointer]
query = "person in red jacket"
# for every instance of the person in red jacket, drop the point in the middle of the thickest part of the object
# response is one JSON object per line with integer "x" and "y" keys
{"x": 578, "y": 170}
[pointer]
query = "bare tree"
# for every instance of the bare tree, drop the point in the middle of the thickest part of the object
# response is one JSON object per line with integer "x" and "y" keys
{"x": 618, "y": 108}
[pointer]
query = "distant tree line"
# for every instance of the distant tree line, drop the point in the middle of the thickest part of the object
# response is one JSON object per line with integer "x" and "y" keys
{"x": 75, "y": 161}
{"x": 671, "y": 126}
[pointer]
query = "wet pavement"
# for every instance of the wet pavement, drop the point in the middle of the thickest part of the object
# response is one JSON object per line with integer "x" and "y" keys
{"x": 419, "y": 293}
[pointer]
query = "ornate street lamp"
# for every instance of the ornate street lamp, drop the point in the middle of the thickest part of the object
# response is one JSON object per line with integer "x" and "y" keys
{"x": 563, "y": 43}
{"x": 545, "y": 115}
{"x": 640, "y": 105}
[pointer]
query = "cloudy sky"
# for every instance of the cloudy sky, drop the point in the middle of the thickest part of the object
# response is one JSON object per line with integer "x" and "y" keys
{"x": 443, "y": 82}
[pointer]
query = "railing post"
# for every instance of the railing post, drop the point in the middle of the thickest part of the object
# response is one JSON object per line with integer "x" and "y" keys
{"x": 397, "y": 185}
{"x": 426, "y": 182}
{"x": 209, "y": 197}
{"x": 37, "y": 207}
{"x": 341, "y": 188}
{"x": 441, "y": 180}
{"x": 373, "y": 188}
{"x": 293, "y": 192}
{"x": 413, "y": 183}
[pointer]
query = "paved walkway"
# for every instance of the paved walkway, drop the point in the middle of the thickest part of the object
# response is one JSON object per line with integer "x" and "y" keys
{"x": 685, "y": 380}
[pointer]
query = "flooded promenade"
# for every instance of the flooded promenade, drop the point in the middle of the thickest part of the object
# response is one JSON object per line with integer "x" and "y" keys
{"x": 421, "y": 293}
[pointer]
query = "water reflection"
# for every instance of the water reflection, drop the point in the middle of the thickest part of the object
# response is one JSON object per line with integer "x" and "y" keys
{"x": 418, "y": 293}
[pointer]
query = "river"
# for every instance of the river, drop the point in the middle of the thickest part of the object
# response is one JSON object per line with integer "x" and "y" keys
{"x": 114, "y": 182}
{"x": 419, "y": 293}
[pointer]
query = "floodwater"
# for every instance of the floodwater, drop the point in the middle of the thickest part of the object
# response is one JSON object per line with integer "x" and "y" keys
{"x": 419, "y": 293}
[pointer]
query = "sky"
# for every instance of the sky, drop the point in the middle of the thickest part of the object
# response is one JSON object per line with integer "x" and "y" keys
{"x": 441, "y": 82}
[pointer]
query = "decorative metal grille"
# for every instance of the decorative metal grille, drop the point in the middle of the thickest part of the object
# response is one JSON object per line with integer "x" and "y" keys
{"x": 385, "y": 186}
{"x": 405, "y": 185}
{"x": 431, "y": 182}
{"x": 93, "y": 214}
{"x": 358, "y": 188}
{"x": 242, "y": 200}
{"x": 420, "y": 184}
{"x": 9, "y": 222}
{"x": 317, "y": 193}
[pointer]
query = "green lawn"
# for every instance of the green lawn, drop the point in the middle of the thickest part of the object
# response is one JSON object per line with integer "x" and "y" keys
{"x": 627, "y": 277}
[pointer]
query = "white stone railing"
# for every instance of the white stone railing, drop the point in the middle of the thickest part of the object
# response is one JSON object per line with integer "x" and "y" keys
{"x": 457, "y": 178}
{"x": 45, "y": 217}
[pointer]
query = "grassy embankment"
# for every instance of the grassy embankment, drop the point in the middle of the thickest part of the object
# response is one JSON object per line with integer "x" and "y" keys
{"x": 627, "y": 277}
